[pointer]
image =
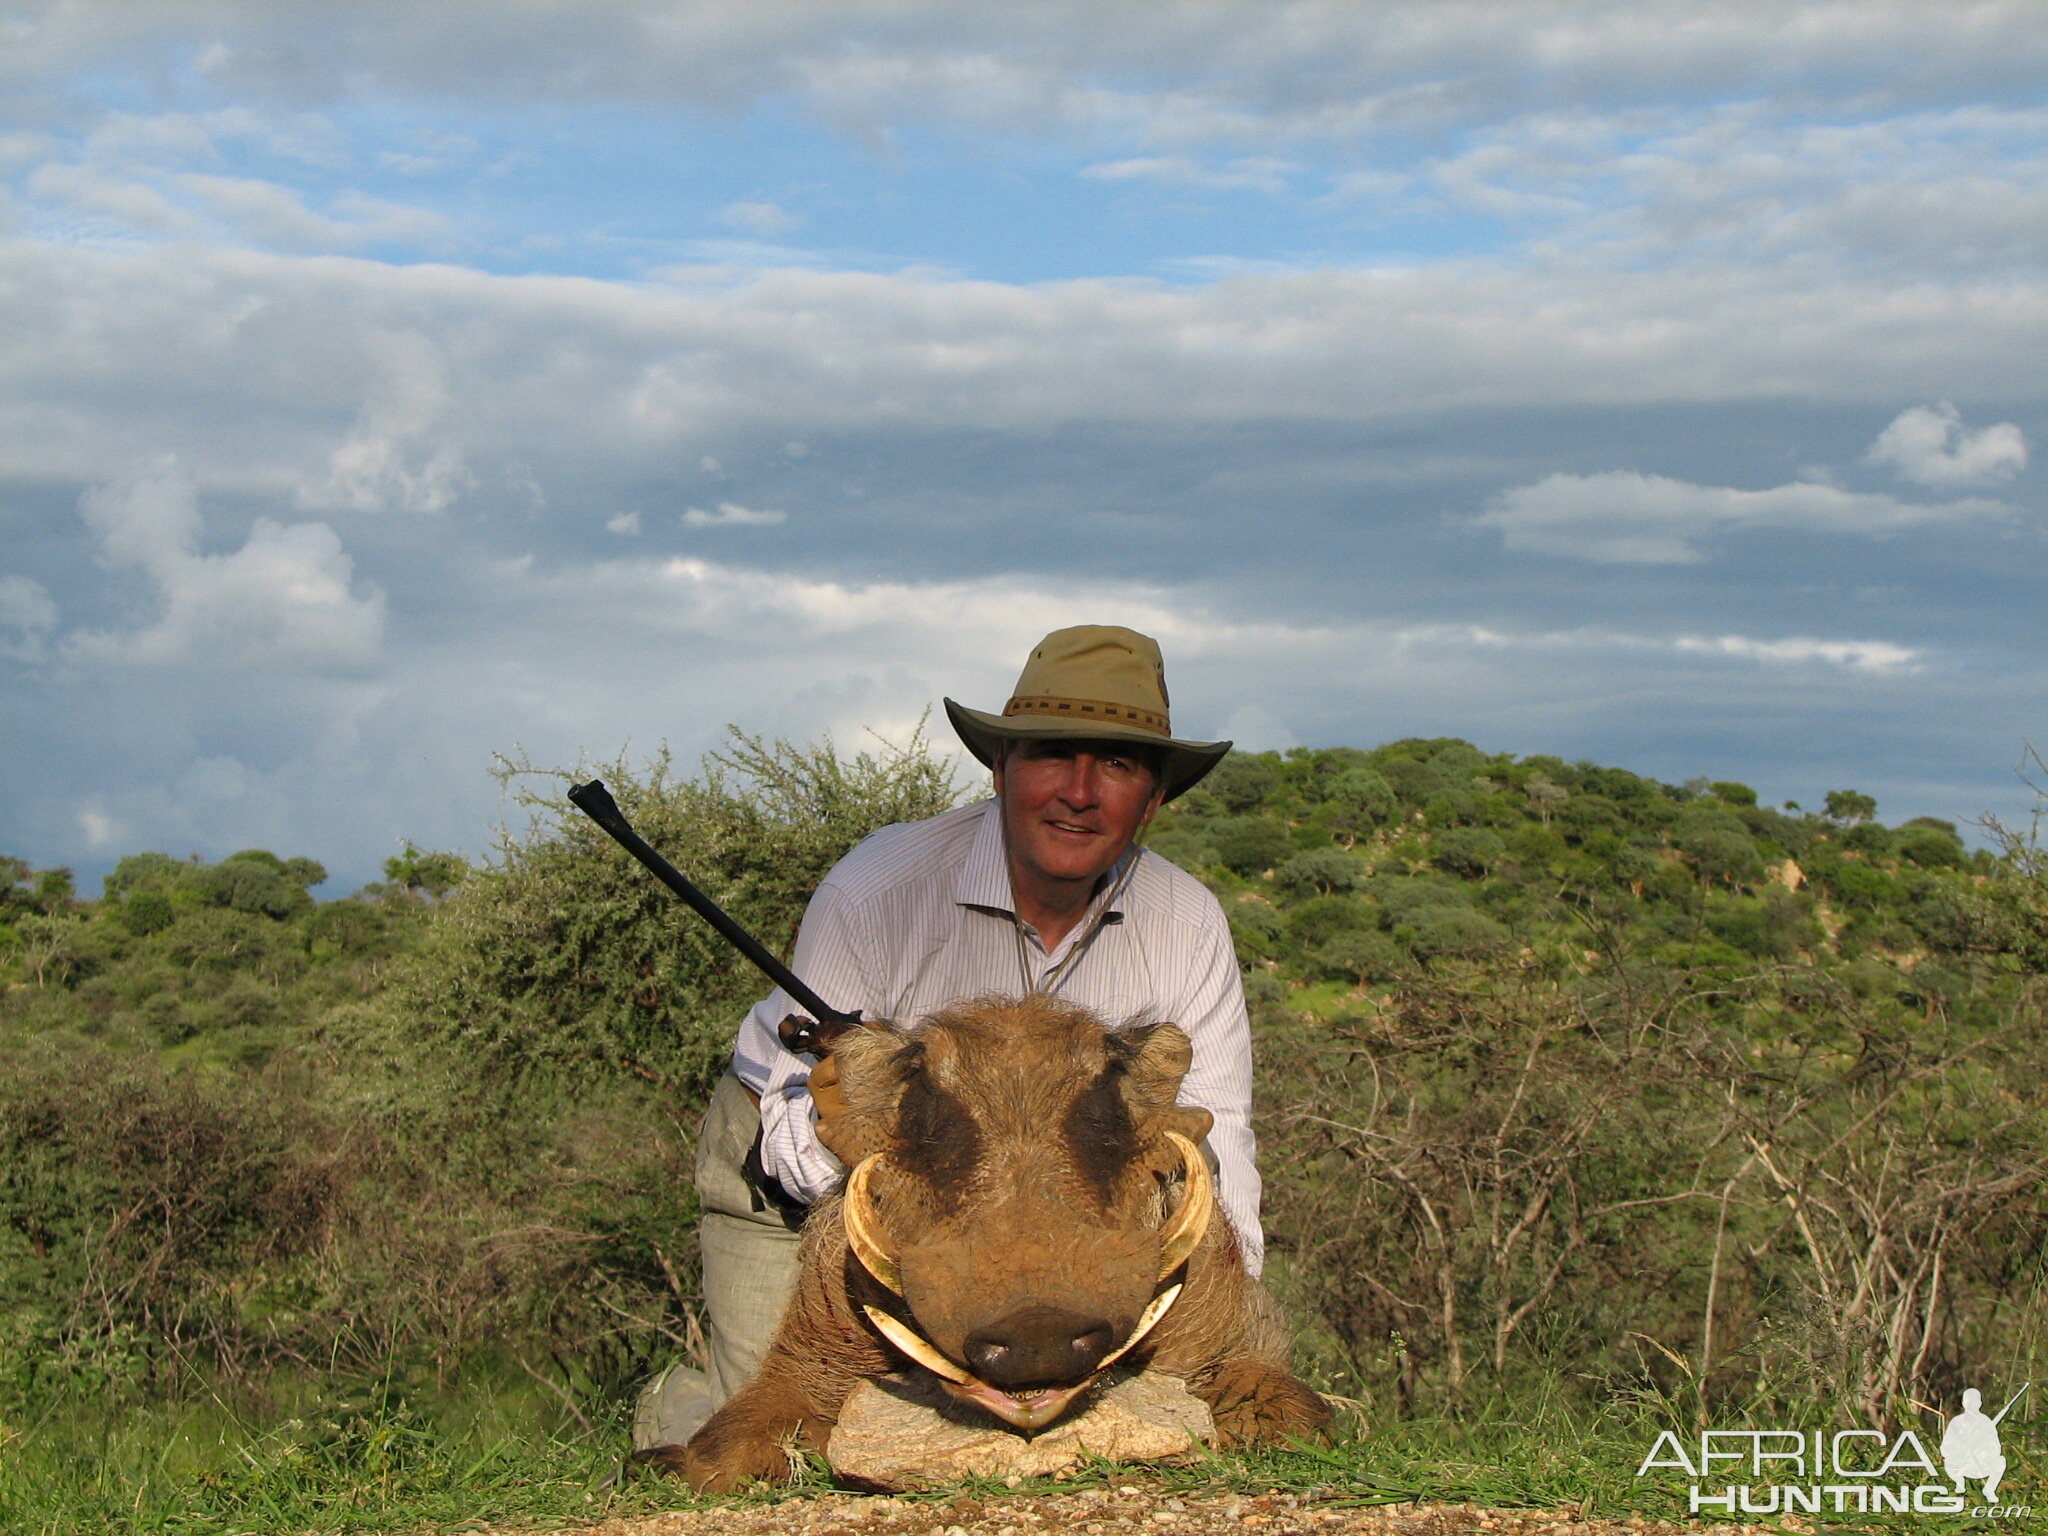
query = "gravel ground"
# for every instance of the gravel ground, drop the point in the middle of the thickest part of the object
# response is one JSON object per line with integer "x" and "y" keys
{"x": 1124, "y": 1511}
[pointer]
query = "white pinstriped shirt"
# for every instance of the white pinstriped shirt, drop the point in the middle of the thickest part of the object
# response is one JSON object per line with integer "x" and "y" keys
{"x": 920, "y": 915}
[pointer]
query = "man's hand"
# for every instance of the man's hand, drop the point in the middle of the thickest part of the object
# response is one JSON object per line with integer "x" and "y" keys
{"x": 826, "y": 1092}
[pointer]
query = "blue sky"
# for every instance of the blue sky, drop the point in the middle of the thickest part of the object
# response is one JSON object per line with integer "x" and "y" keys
{"x": 384, "y": 387}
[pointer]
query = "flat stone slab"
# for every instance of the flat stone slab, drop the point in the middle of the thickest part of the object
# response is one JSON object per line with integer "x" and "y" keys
{"x": 905, "y": 1432}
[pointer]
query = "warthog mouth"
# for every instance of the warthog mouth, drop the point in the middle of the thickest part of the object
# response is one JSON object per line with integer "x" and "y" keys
{"x": 1036, "y": 1408}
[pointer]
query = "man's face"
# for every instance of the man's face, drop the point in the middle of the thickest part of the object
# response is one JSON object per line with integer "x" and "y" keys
{"x": 1071, "y": 807}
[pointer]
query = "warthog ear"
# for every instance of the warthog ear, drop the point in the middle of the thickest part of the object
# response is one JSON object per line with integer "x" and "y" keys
{"x": 1157, "y": 1057}
{"x": 871, "y": 1078}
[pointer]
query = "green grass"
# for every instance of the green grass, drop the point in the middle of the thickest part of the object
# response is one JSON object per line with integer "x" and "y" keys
{"x": 501, "y": 1456}
{"x": 334, "y": 1465}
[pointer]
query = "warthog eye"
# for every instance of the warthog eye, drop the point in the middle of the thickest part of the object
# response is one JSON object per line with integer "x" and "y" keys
{"x": 939, "y": 1141}
{"x": 1099, "y": 1132}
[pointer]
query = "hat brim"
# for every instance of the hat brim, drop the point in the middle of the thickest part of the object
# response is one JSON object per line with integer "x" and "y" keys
{"x": 1183, "y": 764}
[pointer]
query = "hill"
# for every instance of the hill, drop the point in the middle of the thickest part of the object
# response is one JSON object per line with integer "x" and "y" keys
{"x": 1573, "y": 1086}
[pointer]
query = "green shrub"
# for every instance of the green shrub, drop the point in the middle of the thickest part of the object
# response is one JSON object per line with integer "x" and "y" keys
{"x": 1256, "y": 929}
{"x": 1312, "y": 922}
{"x": 1322, "y": 871}
{"x": 1858, "y": 886}
{"x": 1931, "y": 845}
{"x": 1358, "y": 800}
{"x": 1360, "y": 955}
{"x": 147, "y": 912}
{"x": 564, "y": 955}
{"x": 1243, "y": 781}
{"x": 1400, "y": 896}
{"x": 1452, "y": 932}
{"x": 1190, "y": 850}
{"x": 1774, "y": 927}
{"x": 1250, "y": 844}
{"x": 1471, "y": 853}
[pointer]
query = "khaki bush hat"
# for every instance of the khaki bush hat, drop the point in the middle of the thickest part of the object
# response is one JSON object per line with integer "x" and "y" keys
{"x": 1098, "y": 681}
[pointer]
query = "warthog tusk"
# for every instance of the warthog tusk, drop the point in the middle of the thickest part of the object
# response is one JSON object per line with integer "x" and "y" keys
{"x": 857, "y": 1212}
{"x": 906, "y": 1339}
{"x": 1191, "y": 1222}
{"x": 1147, "y": 1320}
{"x": 1178, "y": 1240}
{"x": 927, "y": 1355}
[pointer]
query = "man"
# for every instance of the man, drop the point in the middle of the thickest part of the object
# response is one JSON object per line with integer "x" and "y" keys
{"x": 1038, "y": 889}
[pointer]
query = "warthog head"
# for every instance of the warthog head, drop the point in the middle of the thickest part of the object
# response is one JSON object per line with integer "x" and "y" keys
{"x": 1024, "y": 1193}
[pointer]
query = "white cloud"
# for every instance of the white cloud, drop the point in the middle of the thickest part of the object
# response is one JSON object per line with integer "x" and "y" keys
{"x": 277, "y": 215}
{"x": 732, "y": 515}
{"x": 25, "y": 607}
{"x": 1163, "y": 77}
{"x": 1624, "y": 518}
{"x": 1927, "y": 444}
{"x": 27, "y": 615}
{"x": 388, "y": 462}
{"x": 100, "y": 829}
{"x": 1858, "y": 655}
{"x": 1877, "y": 656}
{"x": 283, "y": 601}
{"x": 626, "y": 524}
{"x": 95, "y": 193}
{"x": 987, "y": 622}
{"x": 443, "y": 368}
{"x": 762, "y": 219}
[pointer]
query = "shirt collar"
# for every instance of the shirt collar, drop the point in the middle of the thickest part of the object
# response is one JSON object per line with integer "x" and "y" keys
{"x": 985, "y": 878}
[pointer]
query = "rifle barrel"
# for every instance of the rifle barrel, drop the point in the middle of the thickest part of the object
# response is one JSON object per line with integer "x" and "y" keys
{"x": 2015, "y": 1398}
{"x": 596, "y": 802}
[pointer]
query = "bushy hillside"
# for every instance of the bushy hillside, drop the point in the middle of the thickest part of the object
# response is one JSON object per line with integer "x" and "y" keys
{"x": 1341, "y": 864}
{"x": 1567, "y": 1078}
{"x": 1566, "y": 1073}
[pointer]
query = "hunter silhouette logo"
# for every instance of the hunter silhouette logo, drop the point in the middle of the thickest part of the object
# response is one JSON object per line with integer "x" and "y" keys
{"x": 1970, "y": 1449}
{"x": 1865, "y": 1471}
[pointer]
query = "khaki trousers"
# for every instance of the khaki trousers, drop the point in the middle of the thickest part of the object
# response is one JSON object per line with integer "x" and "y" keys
{"x": 748, "y": 1245}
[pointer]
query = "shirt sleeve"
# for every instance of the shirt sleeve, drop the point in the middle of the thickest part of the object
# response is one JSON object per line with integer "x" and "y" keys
{"x": 1220, "y": 1078}
{"x": 828, "y": 957}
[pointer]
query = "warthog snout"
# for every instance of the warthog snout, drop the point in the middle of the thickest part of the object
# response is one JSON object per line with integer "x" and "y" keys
{"x": 1039, "y": 1347}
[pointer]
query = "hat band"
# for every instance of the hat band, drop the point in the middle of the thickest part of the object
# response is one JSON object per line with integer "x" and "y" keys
{"x": 1089, "y": 709}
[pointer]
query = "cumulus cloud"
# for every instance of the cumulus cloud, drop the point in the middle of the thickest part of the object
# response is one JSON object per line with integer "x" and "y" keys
{"x": 731, "y": 515}
{"x": 283, "y": 601}
{"x": 389, "y": 462}
{"x": 1624, "y": 518}
{"x": 1927, "y": 444}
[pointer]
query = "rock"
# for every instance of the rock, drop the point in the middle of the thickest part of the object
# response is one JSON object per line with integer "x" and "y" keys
{"x": 904, "y": 1432}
